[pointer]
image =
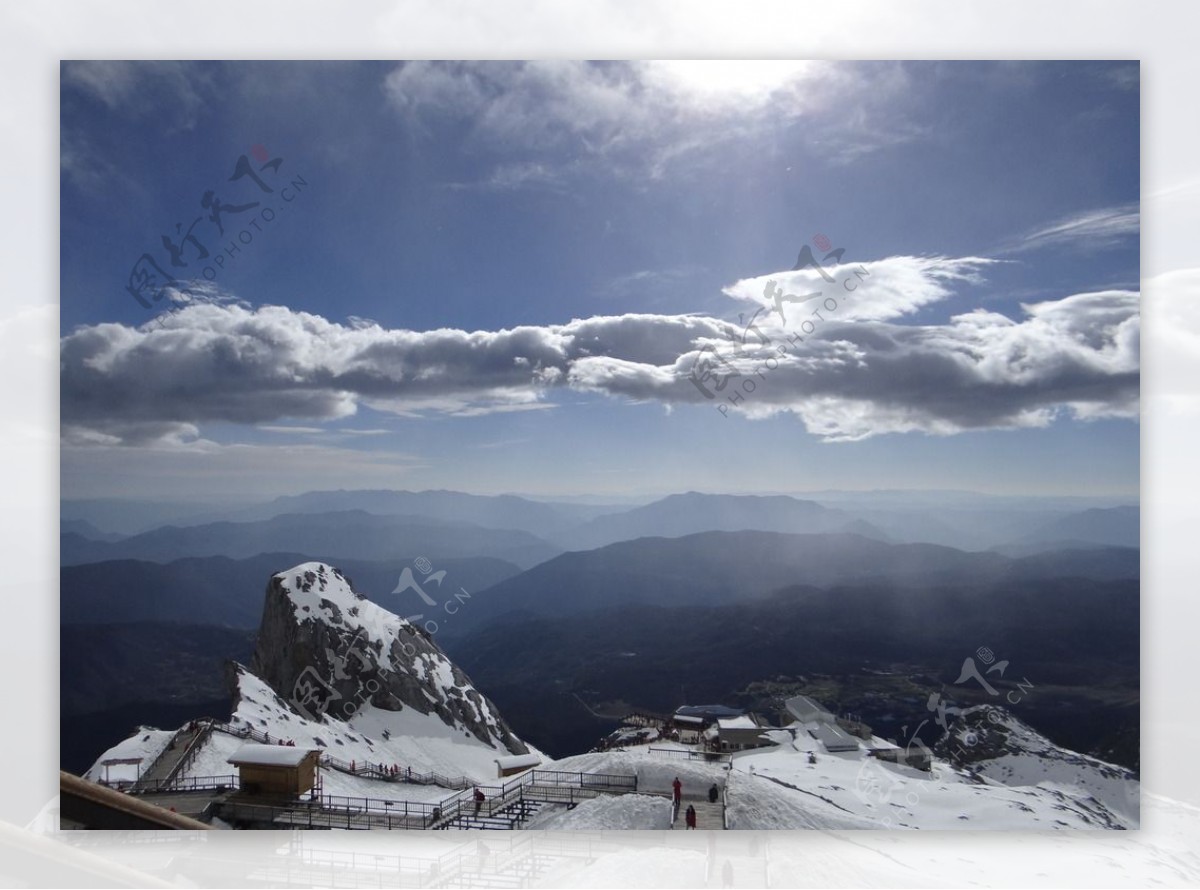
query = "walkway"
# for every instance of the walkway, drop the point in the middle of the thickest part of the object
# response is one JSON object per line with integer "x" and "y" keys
{"x": 709, "y": 816}
{"x": 164, "y": 767}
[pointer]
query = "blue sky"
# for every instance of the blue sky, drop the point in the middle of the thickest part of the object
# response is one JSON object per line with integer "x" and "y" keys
{"x": 500, "y": 276}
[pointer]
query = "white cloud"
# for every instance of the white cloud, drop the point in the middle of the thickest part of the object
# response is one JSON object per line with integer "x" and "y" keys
{"x": 642, "y": 117}
{"x": 1091, "y": 229}
{"x": 854, "y": 373}
{"x": 879, "y": 290}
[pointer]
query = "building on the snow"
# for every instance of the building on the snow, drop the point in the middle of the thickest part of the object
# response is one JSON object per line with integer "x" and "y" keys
{"x": 516, "y": 763}
{"x": 687, "y": 729}
{"x": 739, "y": 733}
{"x": 855, "y": 727}
{"x": 276, "y": 769}
{"x": 689, "y": 722}
{"x": 919, "y": 758}
{"x": 805, "y": 710}
{"x": 833, "y": 737}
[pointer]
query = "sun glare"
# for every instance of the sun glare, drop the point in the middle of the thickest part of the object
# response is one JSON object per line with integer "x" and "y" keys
{"x": 728, "y": 78}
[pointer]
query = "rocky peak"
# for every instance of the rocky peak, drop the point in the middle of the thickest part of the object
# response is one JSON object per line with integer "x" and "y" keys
{"x": 332, "y": 654}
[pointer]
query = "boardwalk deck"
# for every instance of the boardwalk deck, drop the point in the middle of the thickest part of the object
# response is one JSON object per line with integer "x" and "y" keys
{"x": 165, "y": 766}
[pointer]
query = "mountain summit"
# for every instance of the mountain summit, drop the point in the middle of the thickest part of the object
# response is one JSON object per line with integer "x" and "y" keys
{"x": 333, "y": 654}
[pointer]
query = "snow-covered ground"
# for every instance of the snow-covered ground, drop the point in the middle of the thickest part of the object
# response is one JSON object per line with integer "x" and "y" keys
{"x": 145, "y": 744}
{"x": 623, "y": 811}
{"x": 212, "y": 760}
{"x": 780, "y": 788}
{"x": 421, "y": 741}
{"x": 655, "y": 772}
{"x": 768, "y": 788}
{"x": 1015, "y": 754}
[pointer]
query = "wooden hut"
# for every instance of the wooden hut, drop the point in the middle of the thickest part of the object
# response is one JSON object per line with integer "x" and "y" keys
{"x": 276, "y": 769}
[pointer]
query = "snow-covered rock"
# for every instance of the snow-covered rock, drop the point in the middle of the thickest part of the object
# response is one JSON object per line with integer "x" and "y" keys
{"x": 334, "y": 671}
{"x": 331, "y": 653}
{"x": 994, "y": 744}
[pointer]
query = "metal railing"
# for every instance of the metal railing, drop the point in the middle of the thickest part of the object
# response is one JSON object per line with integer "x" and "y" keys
{"x": 536, "y": 786}
{"x": 710, "y": 756}
{"x": 404, "y": 815}
{"x": 192, "y": 783}
{"x": 603, "y": 781}
{"x": 503, "y": 806}
{"x": 202, "y": 732}
{"x": 378, "y": 771}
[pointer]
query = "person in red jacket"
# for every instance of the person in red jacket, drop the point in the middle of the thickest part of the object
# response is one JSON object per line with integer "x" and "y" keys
{"x": 678, "y": 786}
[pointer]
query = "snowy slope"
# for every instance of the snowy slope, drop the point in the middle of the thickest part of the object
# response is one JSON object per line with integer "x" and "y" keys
{"x": 778, "y": 788}
{"x": 421, "y": 741}
{"x": 146, "y": 744}
{"x": 996, "y": 745}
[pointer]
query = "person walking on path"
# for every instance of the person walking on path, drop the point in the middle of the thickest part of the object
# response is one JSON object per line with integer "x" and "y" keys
{"x": 690, "y": 817}
{"x": 713, "y": 793}
{"x": 678, "y": 787}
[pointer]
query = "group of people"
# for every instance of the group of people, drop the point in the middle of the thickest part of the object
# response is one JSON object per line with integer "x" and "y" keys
{"x": 689, "y": 815}
{"x": 394, "y": 771}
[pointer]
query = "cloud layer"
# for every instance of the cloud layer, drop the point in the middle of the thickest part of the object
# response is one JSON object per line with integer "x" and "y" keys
{"x": 644, "y": 116}
{"x": 841, "y": 362}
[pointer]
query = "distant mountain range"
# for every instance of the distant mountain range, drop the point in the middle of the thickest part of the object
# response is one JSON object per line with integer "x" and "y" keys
{"x": 686, "y": 514}
{"x": 719, "y": 568}
{"x": 964, "y": 521}
{"x": 491, "y": 511}
{"x": 84, "y": 529}
{"x": 130, "y": 517}
{"x": 1112, "y": 527}
{"x": 348, "y": 535}
{"x": 138, "y": 580}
